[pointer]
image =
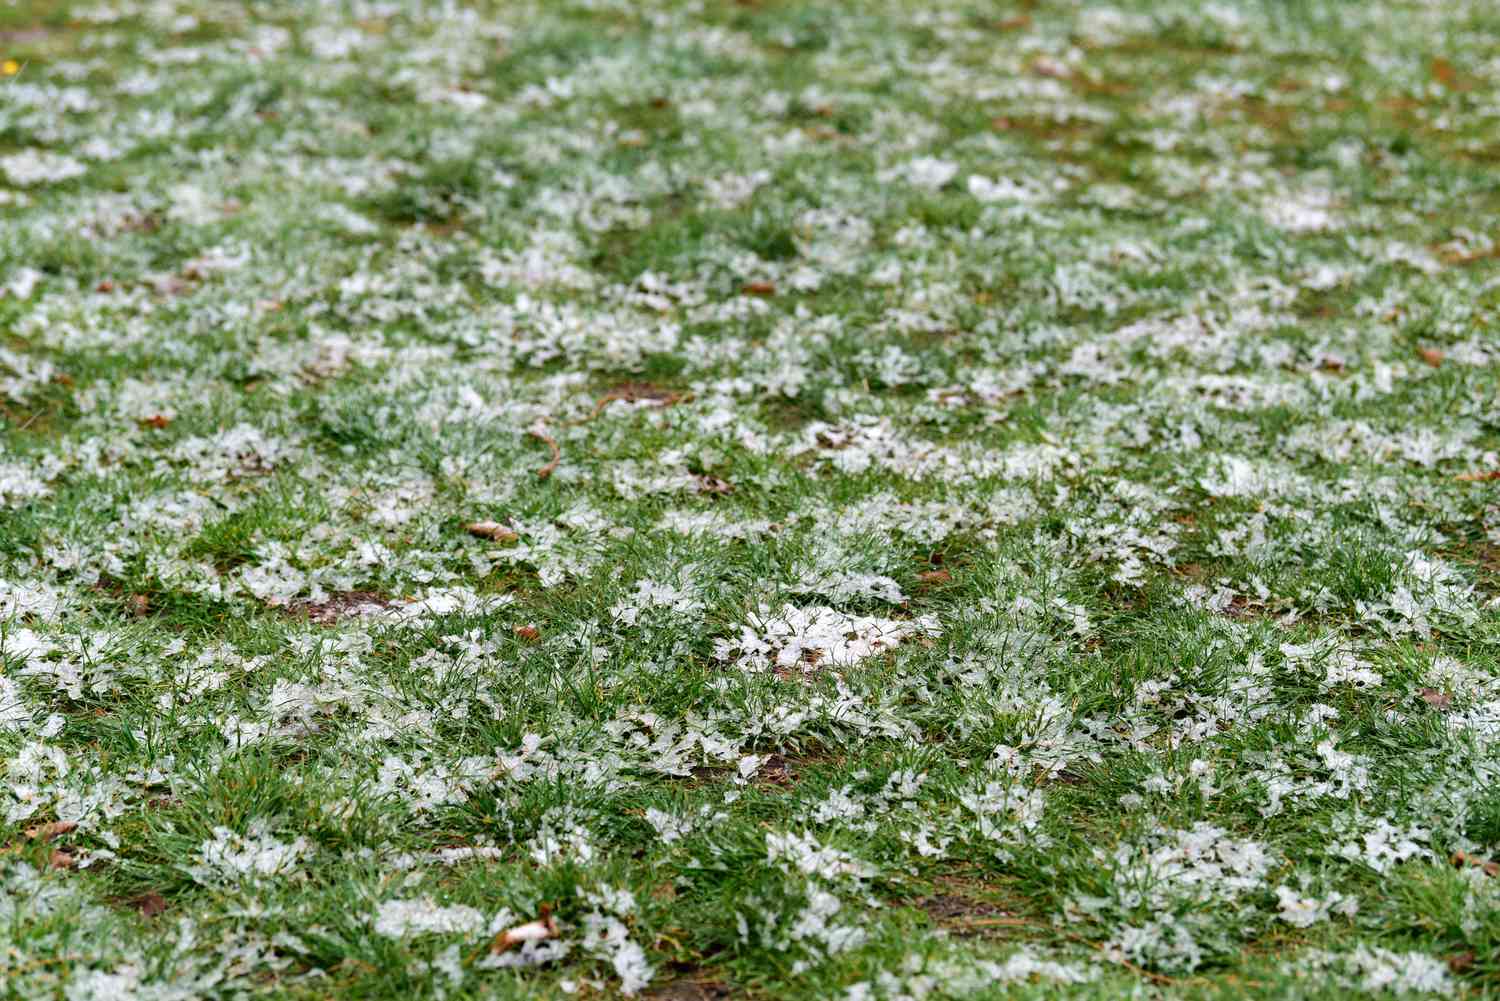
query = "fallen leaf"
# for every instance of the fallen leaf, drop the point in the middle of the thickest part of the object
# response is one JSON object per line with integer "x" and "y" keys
{"x": 60, "y": 859}
{"x": 759, "y": 288}
{"x": 533, "y": 931}
{"x": 528, "y": 633}
{"x": 1490, "y": 868}
{"x": 157, "y": 421}
{"x": 1444, "y": 73}
{"x": 149, "y": 905}
{"x": 1431, "y": 356}
{"x": 139, "y": 605}
{"x": 1461, "y": 961}
{"x": 1483, "y": 476}
{"x": 51, "y": 831}
{"x": 934, "y": 577}
{"x": 1047, "y": 67}
{"x": 1435, "y": 698}
{"x": 491, "y": 530}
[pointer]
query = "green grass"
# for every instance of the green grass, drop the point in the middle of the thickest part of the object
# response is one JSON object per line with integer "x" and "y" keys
{"x": 1009, "y": 533}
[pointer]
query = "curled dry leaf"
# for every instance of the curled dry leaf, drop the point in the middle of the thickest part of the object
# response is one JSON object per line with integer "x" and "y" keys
{"x": 1481, "y": 476}
{"x": 1431, "y": 356}
{"x": 543, "y": 927}
{"x": 1490, "y": 867}
{"x": 50, "y": 831}
{"x": 60, "y": 859}
{"x": 1051, "y": 68}
{"x": 759, "y": 288}
{"x": 491, "y": 530}
{"x": 931, "y": 578}
{"x": 528, "y": 633}
{"x": 149, "y": 905}
{"x": 1435, "y": 698}
{"x": 714, "y": 485}
{"x": 1444, "y": 73}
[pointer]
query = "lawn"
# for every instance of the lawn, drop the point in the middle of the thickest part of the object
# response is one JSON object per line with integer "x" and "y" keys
{"x": 708, "y": 499}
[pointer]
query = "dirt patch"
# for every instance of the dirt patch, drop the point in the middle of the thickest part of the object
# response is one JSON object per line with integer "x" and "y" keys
{"x": 148, "y": 905}
{"x": 967, "y": 908}
{"x": 692, "y": 990}
{"x": 777, "y": 771}
{"x": 339, "y": 606}
{"x": 1241, "y": 607}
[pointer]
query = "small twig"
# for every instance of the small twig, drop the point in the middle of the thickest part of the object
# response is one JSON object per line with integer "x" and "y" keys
{"x": 631, "y": 393}
{"x": 1005, "y": 922}
{"x": 551, "y": 443}
{"x": 15, "y": 418}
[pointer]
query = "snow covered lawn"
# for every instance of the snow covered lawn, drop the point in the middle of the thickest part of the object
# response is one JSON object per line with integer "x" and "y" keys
{"x": 704, "y": 499}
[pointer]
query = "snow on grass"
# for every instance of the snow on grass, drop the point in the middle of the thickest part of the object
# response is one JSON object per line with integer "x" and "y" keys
{"x": 870, "y": 500}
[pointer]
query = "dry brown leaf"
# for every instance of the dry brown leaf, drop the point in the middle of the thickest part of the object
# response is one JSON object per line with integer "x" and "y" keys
{"x": 50, "y": 831}
{"x": 933, "y": 577}
{"x": 149, "y": 905}
{"x": 157, "y": 421}
{"x": 1446, "y": 74}
{"x": 1431, "y": 356}
{"x": 759, "y": 288}
{"x": 60, "y": 859}
{"x": 533, "y": 931}
{"x": 1482, "y": 476}
{"x": 139, "y": 605}
{"x": 1435, "y": 698}
{"x": 1490, "y": 867}
{"x": 1048, "y": 67}
{"x": 528, "y": 633}
{"x": 491, "y": 530}
{"x": 714, "y": 485}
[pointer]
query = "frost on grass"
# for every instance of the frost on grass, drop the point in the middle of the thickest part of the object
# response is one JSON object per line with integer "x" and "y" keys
{"x": 803, "y": 637}
{"x": 671, "y": 480}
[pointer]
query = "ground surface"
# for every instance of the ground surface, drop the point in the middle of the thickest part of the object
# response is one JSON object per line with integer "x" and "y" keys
{"x": 985, "y": 500}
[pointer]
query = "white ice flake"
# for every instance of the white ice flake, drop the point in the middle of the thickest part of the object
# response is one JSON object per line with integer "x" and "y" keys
{"x": 407, "y": 918}
{"x": 816, "y": 636}
{"x": 231, "y": 856}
